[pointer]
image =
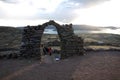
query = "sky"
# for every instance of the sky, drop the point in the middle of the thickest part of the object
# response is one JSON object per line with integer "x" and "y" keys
{"x": 34, "y": 12}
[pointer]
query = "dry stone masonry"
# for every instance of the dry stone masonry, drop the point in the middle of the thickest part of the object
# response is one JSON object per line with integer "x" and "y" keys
{"x": 70, "y": 43}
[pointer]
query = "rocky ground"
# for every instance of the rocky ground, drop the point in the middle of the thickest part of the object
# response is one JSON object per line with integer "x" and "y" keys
{"x": 99, "y": 65}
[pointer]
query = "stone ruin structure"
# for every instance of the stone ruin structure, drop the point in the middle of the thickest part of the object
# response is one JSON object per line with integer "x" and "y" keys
{"x": 70, "y": 43}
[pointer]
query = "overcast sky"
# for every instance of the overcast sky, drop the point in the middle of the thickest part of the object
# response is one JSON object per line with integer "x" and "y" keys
{"x": 34, "y": 12}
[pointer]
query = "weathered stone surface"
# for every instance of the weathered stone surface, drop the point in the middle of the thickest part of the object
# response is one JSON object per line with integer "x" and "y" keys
{"x": 70, "y": 43}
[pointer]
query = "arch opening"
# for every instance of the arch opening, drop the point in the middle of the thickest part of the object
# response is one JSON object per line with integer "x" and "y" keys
{"x": 51, "y": 39}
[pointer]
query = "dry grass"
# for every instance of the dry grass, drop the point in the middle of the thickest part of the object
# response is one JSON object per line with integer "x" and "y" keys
{"x": 102, "y": 47}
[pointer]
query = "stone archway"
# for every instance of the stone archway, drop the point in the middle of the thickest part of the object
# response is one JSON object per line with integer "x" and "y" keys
{"x": 31, "y": 40}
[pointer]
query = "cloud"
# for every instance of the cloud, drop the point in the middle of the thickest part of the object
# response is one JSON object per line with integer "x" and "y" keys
{"x": 105, "y": 14}
{"x": 65, "y": 11}
{"x": 61, "y": 13}
{"x": 85, "y": 3}
{"x": 59, "y": 10}
{"x": 27, "y": 9}
{"x": 17, "y": 11}
{"x": 10, "y": 1}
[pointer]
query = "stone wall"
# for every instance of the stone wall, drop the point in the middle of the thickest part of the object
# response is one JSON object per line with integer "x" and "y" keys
{"x": 31, "y": 40}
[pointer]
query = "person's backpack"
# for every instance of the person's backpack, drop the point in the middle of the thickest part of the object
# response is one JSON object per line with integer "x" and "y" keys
{"x": 46, "y": 49}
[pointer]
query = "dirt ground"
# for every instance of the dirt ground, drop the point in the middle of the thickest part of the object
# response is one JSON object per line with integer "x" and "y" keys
{"x": 99, "y": 65}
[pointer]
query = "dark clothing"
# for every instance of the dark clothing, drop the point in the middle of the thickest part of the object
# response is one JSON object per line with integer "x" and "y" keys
{"x": 45, "y": 50}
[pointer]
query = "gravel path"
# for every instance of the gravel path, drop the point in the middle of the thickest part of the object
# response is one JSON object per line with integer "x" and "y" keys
{"x": 101, "y": 65}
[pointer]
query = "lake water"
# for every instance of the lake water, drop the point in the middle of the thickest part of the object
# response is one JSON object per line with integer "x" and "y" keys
{"x": 116, "y": 31}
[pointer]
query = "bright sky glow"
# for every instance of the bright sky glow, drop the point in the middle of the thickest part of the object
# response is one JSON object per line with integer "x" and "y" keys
{"x": 106, "y": 14}
{"x": 34, "y": 12}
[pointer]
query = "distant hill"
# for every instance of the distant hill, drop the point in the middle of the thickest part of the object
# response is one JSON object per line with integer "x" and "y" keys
{"x": 96, "y": 37}
{"x": 10, "y": 37}
{"x": 111, "y": 27}
{"x": 79, "y": 27}
{"x": 20, "y": 28}
{"x": 83, "y": 28}
{"x": 86, "y": 28}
